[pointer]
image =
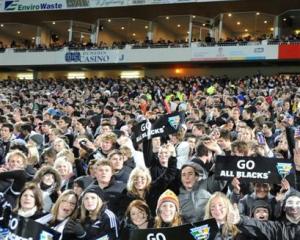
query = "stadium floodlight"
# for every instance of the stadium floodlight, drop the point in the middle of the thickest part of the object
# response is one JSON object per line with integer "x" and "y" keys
{"x": 130, "y": 74}
{"x": 25, "y": 76}
{"x": 76, "y": 75}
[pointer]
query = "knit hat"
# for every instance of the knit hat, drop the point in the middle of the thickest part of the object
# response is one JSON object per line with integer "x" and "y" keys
{"x": 168, "y": 196}
{"x": 261, "y": 204}
{"x": 84, "y": 181}
{"x": 37, "y": 138}
{"x": 95, "y": 189}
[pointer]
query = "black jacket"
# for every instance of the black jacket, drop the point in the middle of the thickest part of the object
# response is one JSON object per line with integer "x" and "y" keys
{"x": 127, "y": 226}
{"x": 275, "y": 230}
{"x": 19, "y": 178}
{"x": 105, "y": 225}
{"x": 163, "y": 178}
{"x": 123, "y": 174}
{"x": 113, "y": 194}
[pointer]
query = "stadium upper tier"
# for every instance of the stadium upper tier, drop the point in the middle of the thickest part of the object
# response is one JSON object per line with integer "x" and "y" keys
{"x": 110, "y": 32}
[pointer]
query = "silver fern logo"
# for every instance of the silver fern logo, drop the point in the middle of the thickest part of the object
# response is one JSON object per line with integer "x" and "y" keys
{"x": 200, "y": 233}
{"x": 284, "y": 169}
{"x": 174, "y": 121}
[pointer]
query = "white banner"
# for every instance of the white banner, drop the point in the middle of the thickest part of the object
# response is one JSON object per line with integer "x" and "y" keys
{"x": 128, "y": 55}
{"x": 46, "y": 5}
{"x": 224, "y": 53}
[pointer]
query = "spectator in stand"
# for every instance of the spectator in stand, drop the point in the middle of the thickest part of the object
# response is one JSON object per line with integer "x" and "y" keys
{"x": 30, "y": 203}
{"x": 97, "y": 220}
{"x": 192, "y": 196}
{"x": 7, "y": 136}
{"x": 288, "y": 228}
{"x": 121, "y": 172}
{"x": 113, "y": 190}
{"x": 63, "y": 217}
{"x": 167, "y": 211}
{"x": 137, "y": 216}
{"x": 14, "y": 175}
{"x": 219, "y": 207}
{"x": 49, "y": 181}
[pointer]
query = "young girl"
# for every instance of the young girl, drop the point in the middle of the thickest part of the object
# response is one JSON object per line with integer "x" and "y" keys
{"x": 49, "y": 181}
{"x": 137, "y": 216}
{"x": 30, "y": 202}
{"x": 97, "y": 220}
{"x": 218, "y": 207}
{"x": 167, "y": 211}
{"x": 63, "y": 215}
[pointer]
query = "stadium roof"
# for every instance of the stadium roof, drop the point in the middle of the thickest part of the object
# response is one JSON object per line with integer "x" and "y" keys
{"x": 208, "y": 9}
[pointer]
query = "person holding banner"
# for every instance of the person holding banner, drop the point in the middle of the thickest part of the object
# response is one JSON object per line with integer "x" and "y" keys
{"x": 63, "y": 217}
{"x": 261, "y": 192}
{"x": 98, "y": 221}
{"x": 167, "y": 211}
{"x": 287, "y": 228}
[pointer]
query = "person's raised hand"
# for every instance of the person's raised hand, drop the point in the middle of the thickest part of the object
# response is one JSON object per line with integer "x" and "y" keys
{"x": 236, "y": 185}
{"x": 233, "y": 216}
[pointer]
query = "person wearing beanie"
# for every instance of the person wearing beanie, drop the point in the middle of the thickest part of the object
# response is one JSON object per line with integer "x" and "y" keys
{"x": 98, "y": 221}
{"x": 261, "y": 210}
{"x": 167, "y": 210}
{"x": 286, "y": 228}
{"x": 36, "y": 138}
{"x": 82, "y": 183}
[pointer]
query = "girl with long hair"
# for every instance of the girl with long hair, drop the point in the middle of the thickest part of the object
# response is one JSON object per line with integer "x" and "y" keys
{"x": 218, "y": 207}
{"x": 167, "y": 211}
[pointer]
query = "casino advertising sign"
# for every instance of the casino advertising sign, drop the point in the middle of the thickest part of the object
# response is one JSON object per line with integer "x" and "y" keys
{"x": 97, "y": 56}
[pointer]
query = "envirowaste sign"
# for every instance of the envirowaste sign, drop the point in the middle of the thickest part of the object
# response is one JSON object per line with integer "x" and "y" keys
{"x": 31, "y": 5}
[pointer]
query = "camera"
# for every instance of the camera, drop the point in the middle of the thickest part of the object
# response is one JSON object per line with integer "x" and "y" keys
{"x": 82, "y": 143}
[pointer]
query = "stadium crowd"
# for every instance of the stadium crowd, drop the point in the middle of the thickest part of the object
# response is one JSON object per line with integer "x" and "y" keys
{"x": 68, "y": 159}
{"x": 209, "y": 41}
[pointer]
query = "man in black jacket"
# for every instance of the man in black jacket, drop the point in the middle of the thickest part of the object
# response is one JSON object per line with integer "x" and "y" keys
{"x": 113, "y": 190}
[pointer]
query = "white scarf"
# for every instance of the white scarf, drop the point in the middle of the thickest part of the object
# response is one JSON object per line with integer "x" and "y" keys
{"x": 27, "y": 213}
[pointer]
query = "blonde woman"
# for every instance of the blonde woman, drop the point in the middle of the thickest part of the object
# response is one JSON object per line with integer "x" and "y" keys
{"x": 65, "y": 170}
{"x": 33, "y": 154}
{"x": 218, "y": 207}
{"x": 167, "y": 211}
{"x": 59, "y": 144}
{"x": 138, "y": 188}
{"x": 98, "y": 221}
{"x": 63, "y": 215}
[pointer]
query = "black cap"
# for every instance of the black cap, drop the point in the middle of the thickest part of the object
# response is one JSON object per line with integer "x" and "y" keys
{"x": 95, "y": 189}
{"x": 84, "y": 181}
{"x": 261, "y": 204}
